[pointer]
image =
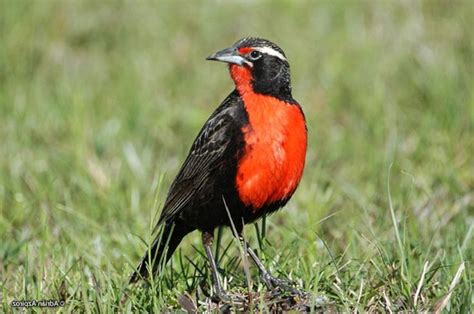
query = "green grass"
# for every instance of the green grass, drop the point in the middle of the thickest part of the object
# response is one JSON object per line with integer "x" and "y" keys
{"x": 100, "y": 101}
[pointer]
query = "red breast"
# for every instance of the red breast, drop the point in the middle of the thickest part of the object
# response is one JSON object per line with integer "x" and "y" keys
{"x": 275, "y": 146}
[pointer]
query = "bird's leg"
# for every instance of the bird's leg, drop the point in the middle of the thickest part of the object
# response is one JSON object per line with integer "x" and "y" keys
{"x": 220, "y": 294}
{"x": 271, "y": 282}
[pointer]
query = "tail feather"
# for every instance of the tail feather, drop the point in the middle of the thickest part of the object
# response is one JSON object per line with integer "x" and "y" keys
{"x": 161, "y": 250}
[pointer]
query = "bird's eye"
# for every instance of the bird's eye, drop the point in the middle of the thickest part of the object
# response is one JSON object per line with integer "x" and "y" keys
{"x": 254, "y": 55}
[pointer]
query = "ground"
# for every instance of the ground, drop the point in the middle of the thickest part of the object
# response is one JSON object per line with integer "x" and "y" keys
{"x": 100, "y": 102}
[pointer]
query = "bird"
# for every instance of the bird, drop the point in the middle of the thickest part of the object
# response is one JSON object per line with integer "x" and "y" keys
{"x": 245, "y": 163}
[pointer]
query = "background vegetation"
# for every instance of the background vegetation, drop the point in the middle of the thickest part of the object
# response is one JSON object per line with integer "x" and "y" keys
{"x": 100, "y": 101}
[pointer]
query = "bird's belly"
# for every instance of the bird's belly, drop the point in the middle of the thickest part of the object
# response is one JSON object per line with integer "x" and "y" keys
{"x": 273, "y": 161}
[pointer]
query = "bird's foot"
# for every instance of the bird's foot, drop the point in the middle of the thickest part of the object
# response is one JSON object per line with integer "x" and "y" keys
{"x": 299, "y": 300}
{"x": 221, "y": 296}
{"x": 281, "y": 286}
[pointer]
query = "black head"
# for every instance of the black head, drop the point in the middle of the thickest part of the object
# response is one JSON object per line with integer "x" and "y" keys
{"x": 260, "y": 63}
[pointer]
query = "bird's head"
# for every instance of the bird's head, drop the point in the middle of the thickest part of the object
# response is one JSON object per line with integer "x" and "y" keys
{"x": 257, "y": 65}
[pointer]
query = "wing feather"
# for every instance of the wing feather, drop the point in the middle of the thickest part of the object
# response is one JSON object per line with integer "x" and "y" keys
{"x": 207, "y": 153}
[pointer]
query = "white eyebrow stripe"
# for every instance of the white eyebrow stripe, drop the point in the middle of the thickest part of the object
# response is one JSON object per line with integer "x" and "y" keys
{"x": 270, "y": 51}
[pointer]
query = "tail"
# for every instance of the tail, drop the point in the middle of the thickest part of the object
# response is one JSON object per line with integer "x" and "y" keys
{"x": 161, "y": 250}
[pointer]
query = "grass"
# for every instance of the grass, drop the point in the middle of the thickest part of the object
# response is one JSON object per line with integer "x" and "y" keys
{"x": 100, "y": 101}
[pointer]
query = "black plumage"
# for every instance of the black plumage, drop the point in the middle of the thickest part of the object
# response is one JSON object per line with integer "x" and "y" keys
{"x": 195, "y": 198}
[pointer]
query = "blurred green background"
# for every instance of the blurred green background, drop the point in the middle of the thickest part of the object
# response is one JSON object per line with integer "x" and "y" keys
{"x": 101, "y": 100}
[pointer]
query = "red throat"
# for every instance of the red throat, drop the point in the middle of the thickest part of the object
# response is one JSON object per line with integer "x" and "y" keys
{"x": 242, "y": 77}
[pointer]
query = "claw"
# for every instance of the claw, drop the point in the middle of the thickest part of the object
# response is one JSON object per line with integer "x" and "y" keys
{"x": 281, "y": 286}
{"x": 221, "y": 296}
{"x": 227, "y": 299}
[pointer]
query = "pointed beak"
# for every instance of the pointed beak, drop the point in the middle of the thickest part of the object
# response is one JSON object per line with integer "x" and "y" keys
{"x": 229, "y": 55}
